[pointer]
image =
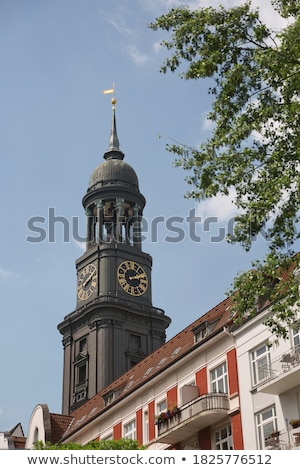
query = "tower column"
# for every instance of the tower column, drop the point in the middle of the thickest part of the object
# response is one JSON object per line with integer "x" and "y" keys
{"x": 93, "y": 346}
{"x": 89, "y": 228}
{"x": 137, "y": 242}
{"x": 99, "y": 205}
{"x": 128, "y": 225}
{"x": 104, "y": 357}
{"x": 67, "y": 382}
{"x": 119, "y": 206}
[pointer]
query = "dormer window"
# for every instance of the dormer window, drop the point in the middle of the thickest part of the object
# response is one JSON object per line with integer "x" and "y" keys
{"x": 200, "y": 332}
{"x": 111, "y": 396}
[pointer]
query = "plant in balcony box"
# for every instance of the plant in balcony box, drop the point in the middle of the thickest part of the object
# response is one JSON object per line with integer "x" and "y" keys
{"x": 297, "y": 438}
{"x": 161, "y": 418}
{"x": 295, "y": 423}
{"x": 173, "y": 409}
{"x": 158, "y": 419}
{"x": 273, "y": 435}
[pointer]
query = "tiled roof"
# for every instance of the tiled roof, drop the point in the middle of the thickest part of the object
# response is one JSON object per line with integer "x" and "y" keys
{"x": 59, "y": 424}
{"x": 159, "y": 360}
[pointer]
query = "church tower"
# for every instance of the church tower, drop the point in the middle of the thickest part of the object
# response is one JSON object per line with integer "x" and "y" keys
{"x": 115, "y": 324}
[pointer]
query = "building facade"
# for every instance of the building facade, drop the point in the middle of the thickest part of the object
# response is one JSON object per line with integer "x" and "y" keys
{"x": 212, "y": 386}
{"x": 270, "y": 383}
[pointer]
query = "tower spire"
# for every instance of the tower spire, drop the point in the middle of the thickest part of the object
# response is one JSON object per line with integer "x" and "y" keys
{"x": 113, "y": 150}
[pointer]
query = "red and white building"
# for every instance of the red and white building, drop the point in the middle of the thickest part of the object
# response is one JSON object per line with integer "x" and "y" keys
{"x": 212, "y": 386}
{"x": 184, "y": 395}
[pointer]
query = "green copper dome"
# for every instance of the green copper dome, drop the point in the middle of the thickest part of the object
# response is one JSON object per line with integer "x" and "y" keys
{"x": 113, "y": 172}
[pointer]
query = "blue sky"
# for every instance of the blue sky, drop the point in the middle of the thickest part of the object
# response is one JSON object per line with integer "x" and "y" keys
{"x": 56, "y": 58}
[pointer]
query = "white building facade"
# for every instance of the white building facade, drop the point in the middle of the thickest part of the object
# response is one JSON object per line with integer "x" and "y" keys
{"x": 269, "y": 385}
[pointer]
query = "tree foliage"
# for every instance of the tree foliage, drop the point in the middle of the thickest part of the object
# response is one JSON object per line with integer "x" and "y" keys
{"x": 254, "y": 147}
{"x": 111, "y": 444}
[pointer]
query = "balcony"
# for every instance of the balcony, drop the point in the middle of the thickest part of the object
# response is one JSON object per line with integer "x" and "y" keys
{"x": 284, "y": 440}
{"x": 192, "y": 417}
{"x": 282, "y": 374}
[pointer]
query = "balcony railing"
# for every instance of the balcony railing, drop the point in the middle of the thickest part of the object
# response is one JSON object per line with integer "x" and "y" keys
{"x": 277, "y": 371}
{"x": 284, "y": 440}
{"x": 193, "y": 416}
{"x": 80, "y": 393}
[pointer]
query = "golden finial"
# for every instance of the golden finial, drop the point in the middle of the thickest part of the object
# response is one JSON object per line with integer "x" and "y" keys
{"x": 111, "y": 90}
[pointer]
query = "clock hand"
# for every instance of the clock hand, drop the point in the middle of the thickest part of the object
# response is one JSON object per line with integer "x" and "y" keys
{"x": 137, "y": 276}
{"x": 88, "y": 279}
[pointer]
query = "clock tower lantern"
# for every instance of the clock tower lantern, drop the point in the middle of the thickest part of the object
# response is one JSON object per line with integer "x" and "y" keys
{"x": 115, "y": 324}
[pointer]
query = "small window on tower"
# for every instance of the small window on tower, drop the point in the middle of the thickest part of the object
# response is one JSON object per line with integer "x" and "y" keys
{"x": 81, "y": 374}
{"x": 135, "y": 341}
{"x": 82, "y": 345}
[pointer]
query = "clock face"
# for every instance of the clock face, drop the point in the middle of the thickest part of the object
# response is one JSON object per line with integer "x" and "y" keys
{"x": 132, "y": 278}
{"x": 87, "y": 282}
